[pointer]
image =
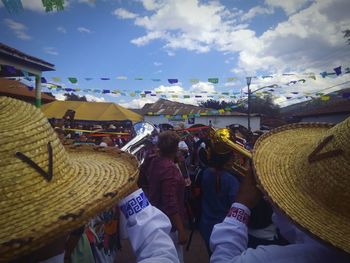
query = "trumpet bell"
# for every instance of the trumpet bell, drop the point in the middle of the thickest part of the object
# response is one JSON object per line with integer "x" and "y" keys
{"x": 143, "y": 131}
{"x": 219, "y": 138}
{"x": 223, "y": 142}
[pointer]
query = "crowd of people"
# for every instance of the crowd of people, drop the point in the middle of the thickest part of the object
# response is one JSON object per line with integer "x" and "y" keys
{"x": 110, "y": 135}
{"x": 73, "y": 204}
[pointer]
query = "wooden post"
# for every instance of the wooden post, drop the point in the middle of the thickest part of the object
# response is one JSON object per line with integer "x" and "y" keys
{"x": 38, "y": 91}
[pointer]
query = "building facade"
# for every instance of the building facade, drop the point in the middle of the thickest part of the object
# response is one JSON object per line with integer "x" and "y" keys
{"x": 180, "y": 115}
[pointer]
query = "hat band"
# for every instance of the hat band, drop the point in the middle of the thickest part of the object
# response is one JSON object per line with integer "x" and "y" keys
{"x": 47, "y": 175}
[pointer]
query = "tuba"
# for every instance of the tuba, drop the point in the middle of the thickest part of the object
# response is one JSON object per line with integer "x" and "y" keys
{"x": 143, "y": 131}
{"x": 223, "y": 141}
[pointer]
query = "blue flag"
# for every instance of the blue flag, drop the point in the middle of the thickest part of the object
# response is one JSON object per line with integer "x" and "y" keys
{"x": 338, "y": 70}
{"x": 173, "y": 81}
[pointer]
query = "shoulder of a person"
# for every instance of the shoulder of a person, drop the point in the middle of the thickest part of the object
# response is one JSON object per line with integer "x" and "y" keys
{"x": 231, "y": 177}
{"x": 163, "y": 163}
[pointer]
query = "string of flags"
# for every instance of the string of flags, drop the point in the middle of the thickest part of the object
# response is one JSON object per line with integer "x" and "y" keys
{"x": 74, "y": 80}
{"x": 15, "y": 6}
{"x": 171, "y": 94}
{"x": 203, "y": 95}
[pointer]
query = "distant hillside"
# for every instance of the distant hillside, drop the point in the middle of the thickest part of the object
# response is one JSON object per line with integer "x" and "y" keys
{"x": 312, "y": 105}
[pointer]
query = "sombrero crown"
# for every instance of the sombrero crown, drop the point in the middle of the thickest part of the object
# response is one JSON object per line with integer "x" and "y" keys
{"x": 46, "y": 191}
{"x": 305, "y": 170}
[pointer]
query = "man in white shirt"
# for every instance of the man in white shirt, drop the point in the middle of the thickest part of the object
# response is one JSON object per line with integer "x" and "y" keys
{"x": 304, "y": 171}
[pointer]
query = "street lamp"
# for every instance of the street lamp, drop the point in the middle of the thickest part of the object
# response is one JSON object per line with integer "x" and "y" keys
{"x": 249, "y": 80}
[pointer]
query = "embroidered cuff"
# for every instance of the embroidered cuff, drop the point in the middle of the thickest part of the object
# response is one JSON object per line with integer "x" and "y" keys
{"x": 134, "y": 203}
{"x": 239, "y": 212}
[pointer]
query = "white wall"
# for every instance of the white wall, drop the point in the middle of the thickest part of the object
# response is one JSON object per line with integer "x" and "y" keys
{"x": 217, "y": 121}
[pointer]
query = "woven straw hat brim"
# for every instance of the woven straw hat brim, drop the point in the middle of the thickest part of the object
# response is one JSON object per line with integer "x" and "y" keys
{"x": 35, "y": 211}
{"x": 279, "y": 157}
{"x": 95, "y": 182}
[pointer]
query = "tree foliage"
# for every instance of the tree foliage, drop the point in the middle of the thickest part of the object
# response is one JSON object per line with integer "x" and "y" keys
{"x": 74, "y": 97}
{"x": 262, "y": 105}
{"x": 215, "y": 104}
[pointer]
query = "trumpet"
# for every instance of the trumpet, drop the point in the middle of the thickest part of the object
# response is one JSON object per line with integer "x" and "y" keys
{"x": 223, "y": 142}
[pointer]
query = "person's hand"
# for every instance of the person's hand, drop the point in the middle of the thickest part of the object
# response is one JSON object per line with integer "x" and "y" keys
{"x": 249, "y": 194}
{"x": 188, "y": 181}
{"x": 182, "y": 238}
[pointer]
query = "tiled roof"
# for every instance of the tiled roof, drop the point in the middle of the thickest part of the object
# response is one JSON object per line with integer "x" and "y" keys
{"x": 23, "y": 58}
{"x": 16, "y": 89}
{"x": 167, "y": 107}
{"x": 339, "y": 107}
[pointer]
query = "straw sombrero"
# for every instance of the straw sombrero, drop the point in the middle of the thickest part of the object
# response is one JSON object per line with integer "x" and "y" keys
{"x": 42, "y": 198}
{"x": 305, "y": 171}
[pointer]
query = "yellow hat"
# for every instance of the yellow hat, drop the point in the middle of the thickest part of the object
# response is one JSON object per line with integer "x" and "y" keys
{"x": 305, "y": 170}
{"x": 45, "y": 190}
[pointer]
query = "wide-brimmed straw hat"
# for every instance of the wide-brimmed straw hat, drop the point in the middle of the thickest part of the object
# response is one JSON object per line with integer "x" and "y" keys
{"x": 46, "y": 190}
{"x": 305, "y": 171}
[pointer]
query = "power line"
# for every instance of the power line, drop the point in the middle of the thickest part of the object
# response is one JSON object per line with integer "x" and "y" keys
{"x": 288, "y": 100}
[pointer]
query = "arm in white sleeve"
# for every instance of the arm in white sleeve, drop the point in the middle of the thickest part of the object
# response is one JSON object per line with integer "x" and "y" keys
{"x": 148, "y": 230}
{"x": 230, "y": 238}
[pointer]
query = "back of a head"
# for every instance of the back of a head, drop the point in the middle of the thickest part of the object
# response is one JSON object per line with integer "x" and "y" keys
{"x": 217, "y": 160}
{"x": 168, "y": 142}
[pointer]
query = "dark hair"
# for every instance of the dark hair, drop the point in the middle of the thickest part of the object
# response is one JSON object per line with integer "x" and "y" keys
{"x": 217, "y": 160}
{"x": 261, "y": 215}
{"x": 168, "y": 142}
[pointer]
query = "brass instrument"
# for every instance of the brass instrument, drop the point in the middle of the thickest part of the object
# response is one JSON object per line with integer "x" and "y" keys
{"x": 223, "y": 141}
{"x": 143, "y": 131}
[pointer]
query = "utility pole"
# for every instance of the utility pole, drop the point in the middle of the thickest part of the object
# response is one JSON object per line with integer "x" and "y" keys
{"x": 249, "y": 80}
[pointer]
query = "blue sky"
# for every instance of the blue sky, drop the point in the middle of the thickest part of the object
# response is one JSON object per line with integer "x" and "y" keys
{"x": 185, "y": 39}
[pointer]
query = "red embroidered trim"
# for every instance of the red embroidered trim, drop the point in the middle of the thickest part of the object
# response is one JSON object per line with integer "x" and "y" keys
{"x": 239, "y": 214}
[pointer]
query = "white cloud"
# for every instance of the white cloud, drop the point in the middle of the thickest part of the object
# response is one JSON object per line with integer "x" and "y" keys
{"x": 299, "y": 43}
{"x": 310, "y": 40}
{"x": 289, "y": 6}
{"x": 257, "y": 10}
{"x": 202, "y": 87}
{"x": 157, "y": 64}
{"x": 144, "y": 40}
{"x": 19, "y": 29}
{"x": 61, "y": 29}
{"x": 94, "y": 98}
{"x": 138, "y": 103}
{"x": 178, "y": 90}
{"x": 51, "y": 51}
{"x": 60, "y": 96}
{"x": 15, "y": 25}
{"x": 33, "y": 5}
{"x": 84, "y": 30}
{"x": 191, "y": 25}
{"x": 152, "y": 4}
{"x": 124, "y": 14}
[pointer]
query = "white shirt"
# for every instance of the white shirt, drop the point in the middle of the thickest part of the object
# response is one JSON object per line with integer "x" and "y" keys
{"x": 229, "y": 244}
{"x": 148, "y": 229}
{"x": 103, "y": 144}
{"x": 183, "y": 145}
